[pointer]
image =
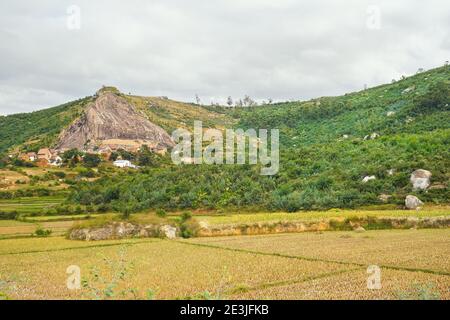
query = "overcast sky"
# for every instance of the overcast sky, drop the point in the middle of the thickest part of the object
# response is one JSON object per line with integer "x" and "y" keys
{"x": 53, "y": 51}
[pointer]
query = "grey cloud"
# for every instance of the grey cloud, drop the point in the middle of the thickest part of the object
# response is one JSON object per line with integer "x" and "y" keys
{"x": 281, "y": 49}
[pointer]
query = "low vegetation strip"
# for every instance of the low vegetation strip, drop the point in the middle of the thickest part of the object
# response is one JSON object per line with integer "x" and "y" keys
{"x": 360, "y": 223}
{"x": 383, "y": 212}
{"x": 96, "y": 245}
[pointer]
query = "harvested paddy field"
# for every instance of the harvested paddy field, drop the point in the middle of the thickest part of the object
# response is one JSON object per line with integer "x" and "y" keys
{"x": 288, "y": 266}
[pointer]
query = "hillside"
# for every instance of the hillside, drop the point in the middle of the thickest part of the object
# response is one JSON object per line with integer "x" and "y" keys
{"x": 45, "y": 128}
{"x": 328, "y": 146}
{"x": 110, "y": 119}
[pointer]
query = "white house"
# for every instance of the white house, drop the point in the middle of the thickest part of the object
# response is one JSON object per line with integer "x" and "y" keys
{"x": 124, "y": 164}
{"x": 56, "y": 161}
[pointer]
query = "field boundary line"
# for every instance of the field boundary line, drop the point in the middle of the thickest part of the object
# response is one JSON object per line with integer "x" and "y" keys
{"x": 274, "y": 284}
{"x": 81, "y": 247}
{"x": 281, "y": 255}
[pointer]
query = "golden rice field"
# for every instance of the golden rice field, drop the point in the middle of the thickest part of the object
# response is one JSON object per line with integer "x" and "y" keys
{"x": 329, "y": 265}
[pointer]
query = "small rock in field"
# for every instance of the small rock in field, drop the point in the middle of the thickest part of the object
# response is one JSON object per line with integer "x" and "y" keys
{"x": 169, "y": 231}
{"x": 412, "y": 202}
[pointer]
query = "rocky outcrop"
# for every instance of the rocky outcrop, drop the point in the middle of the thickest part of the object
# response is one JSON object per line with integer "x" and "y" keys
{"x": 420, "y": 179}
{"x": 384, "y": 197}
{"x": 412, "y": 202}
{"x": 368, "y": 178}
{"x": 169, "y": 231}
{"x": 372, "y": 136}
{"x": 111, "y": 119}
{"x": 121, "y": 230}
{"x": 358, "y": 225}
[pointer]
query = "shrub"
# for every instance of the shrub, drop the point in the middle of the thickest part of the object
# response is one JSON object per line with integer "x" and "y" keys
{"x": 8, "y": 215}
{"x": 189, "y": 228}
{"x": 161, "y": 213}
{"x": 59, "y": 174}
{"x": 185, "y": 216}
{"x": 42, "y": 232}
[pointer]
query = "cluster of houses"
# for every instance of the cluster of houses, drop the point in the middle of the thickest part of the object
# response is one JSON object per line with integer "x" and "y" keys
{"x": 43, "y": 157}
{"x": 50, "y": 157}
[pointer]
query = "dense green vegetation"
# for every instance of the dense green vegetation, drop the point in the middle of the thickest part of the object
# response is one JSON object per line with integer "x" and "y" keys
{"x": 37, "y": 129}
{"x": 320, "y": 167}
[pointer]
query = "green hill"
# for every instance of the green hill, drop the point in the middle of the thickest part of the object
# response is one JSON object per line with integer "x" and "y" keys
{"x": 326, "y": 152}
{"x": 31, "y": 131}
{"x": 328, "y": 145}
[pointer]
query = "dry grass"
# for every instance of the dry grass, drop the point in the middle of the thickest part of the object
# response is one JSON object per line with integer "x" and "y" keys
{"x": 292, "y": 266}
{"x": 173, "y": 269}
{"x": 427, "y": 249}
{"x": 353, "y": 285}
{"x": 26, "y": 229}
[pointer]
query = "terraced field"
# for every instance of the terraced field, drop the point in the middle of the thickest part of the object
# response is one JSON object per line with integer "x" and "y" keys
{"x": 289, "y": 266}
{"x": 29, "y": 204}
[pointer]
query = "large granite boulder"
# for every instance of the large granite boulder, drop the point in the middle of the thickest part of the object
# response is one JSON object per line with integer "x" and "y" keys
{"x": 420, "y": 179}
{"x": 121, "y": 230}
{"x": 169, "y": 231}
{"x": 412, "y": 202}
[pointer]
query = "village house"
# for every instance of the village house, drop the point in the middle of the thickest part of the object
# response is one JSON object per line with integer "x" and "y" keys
{"x": 56, "y": 161}
{"x": 44, "y": 154}
{"x": 32, "y": 156}
{"x": 29, "y": 156}
{"x": 124, "y": 164}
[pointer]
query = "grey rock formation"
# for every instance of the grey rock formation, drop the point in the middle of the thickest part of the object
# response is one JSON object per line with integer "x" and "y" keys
{"x": 169, "y": 231}
{"x": 121, "y": 230}
{"x": 412, "y": 202}
{"x": 368, "y": 178}
{"x": 420, "y": 179}
{"x": 111, "y": 120}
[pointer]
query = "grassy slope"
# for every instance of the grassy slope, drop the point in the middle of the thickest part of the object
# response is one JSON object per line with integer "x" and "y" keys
{"x": 171, "y": 115}
{"x": 33, "y": 130}
{"x": 358, "y": 114}
{"x": 30, "y": 131}
{"x": 318, "y": 168}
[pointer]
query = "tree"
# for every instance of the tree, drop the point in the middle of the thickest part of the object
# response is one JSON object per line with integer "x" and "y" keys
{"x": 72, "y": 156}
{"x": 146, "y": 157}
{"x": 249, "y": 102}
{"x": 197, "y": 99}
{"x": 113, "y": 156}
{"x": 91, "y": 160}
{"x": 229, "y": 101}
{"x": 435, "y": 99}
{"x": 126, "y": 155}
